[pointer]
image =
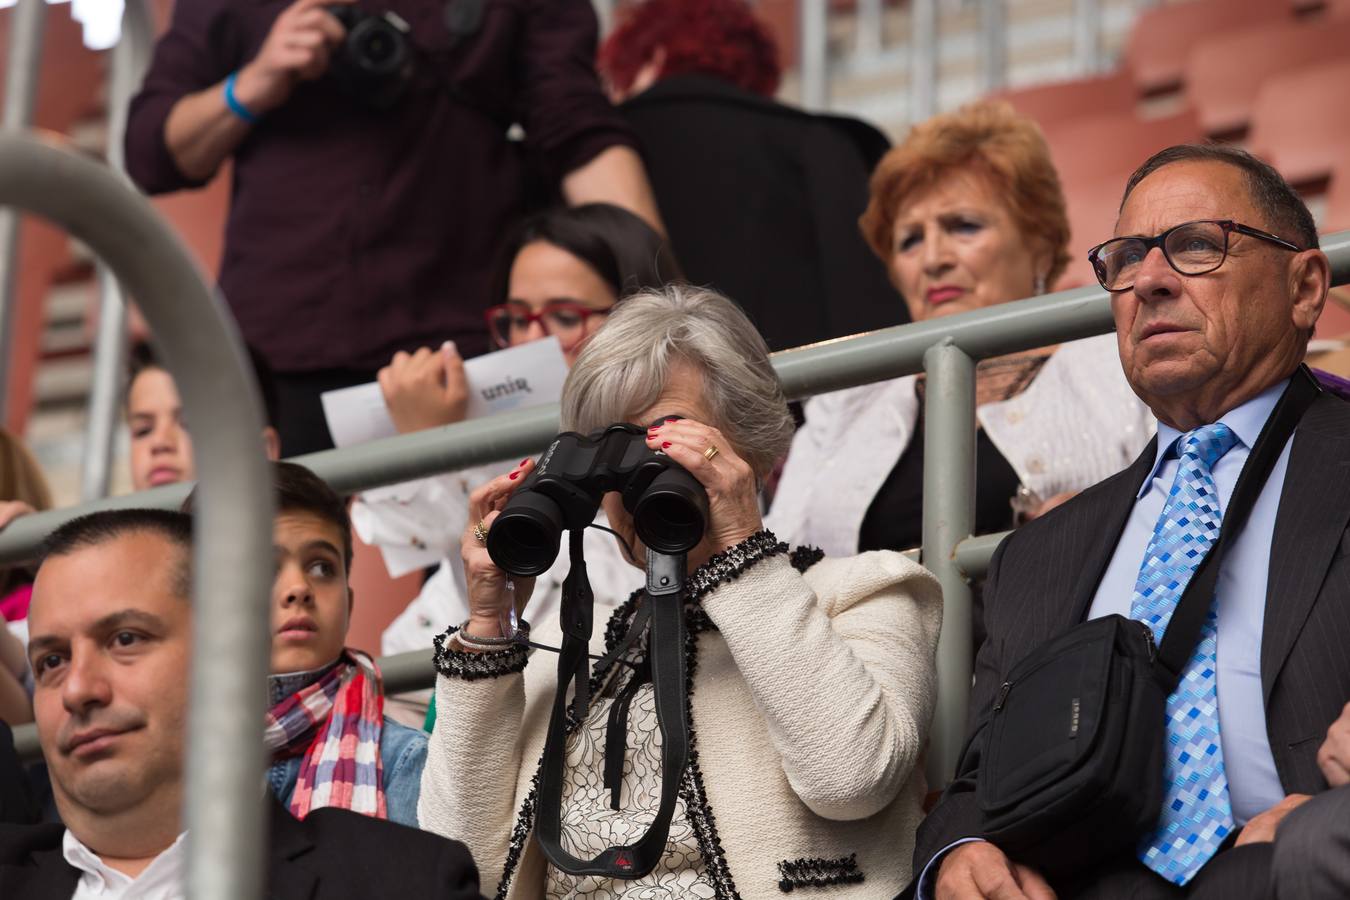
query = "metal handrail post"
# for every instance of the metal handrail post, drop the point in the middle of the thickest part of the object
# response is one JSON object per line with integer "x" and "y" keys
{"x": 948, "y": 519}
{"x": 21, "y": 81}
{"x": 127, "y": 64}
{"x": 232, "y": 555}
{"x": 814, "y": 51}
{"x": 1087, "y": 36}
{"x": 867, "y": 24}
{"x": 923, "y": 61}
{"x": 993, "y": 44}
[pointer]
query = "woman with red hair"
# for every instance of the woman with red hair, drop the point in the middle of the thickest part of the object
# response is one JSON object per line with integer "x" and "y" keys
{"x": 760, "y": 199}
{"x": 661, "y": 38}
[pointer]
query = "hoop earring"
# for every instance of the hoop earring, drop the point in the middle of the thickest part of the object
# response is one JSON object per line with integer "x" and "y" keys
{"x": 1039, "y": 286}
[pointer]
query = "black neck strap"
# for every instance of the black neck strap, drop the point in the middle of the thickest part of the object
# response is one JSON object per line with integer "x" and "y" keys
{"x": 1183, "y": 630}
{"x": 665, "y": 597}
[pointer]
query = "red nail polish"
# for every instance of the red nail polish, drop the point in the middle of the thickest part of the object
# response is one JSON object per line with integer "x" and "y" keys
{"x": 666, "y": 445}
{"x": 514, "y": 475}
{"x": 673, "y": 419}
{"x": 524, "y": 461}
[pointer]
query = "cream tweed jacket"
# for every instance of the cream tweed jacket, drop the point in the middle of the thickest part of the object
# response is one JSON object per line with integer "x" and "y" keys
{"x": 812, "y": 697}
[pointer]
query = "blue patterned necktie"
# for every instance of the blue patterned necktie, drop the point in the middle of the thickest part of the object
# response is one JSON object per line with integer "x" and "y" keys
{"x": 1197, "y": 815}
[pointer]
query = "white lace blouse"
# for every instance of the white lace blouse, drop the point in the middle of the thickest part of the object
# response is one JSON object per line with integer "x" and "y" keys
{"x": 590, "y": 825}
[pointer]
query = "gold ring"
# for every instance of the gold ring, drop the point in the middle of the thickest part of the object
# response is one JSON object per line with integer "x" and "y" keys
{"x": 711, "y": 452}
{"x": 480, "y": 532}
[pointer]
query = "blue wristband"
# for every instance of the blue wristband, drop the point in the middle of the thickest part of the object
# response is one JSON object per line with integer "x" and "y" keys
{"x": 233, "y": 103}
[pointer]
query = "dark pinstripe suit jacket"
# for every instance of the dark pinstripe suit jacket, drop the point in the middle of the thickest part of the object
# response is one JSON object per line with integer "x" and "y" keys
{"x": 1043, "y": 577}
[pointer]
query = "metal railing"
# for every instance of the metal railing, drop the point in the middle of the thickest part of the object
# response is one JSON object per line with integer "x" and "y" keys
{"x": 128, "y": 62}
{"x": 22, "y": 67}
{"x": 924, "y": 44}
{"x": 232, "y": 575}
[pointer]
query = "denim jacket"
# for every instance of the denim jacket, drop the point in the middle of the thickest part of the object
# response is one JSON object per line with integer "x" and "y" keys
{"x": 403, "y": 753}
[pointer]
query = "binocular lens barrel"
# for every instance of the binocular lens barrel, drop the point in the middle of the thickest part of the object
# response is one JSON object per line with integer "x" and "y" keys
{"x": 671, "y": 514}
{"x": 524, "y": 539}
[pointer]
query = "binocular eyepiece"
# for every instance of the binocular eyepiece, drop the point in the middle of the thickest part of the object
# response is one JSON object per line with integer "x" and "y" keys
{"x": 668, "y": 505}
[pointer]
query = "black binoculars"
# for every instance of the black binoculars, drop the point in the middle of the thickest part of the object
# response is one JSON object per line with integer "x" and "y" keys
{"x": 668, "y": 505}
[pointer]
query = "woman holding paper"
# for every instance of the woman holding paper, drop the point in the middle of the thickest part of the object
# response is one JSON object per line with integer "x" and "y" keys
{"x": 562, "y": 272}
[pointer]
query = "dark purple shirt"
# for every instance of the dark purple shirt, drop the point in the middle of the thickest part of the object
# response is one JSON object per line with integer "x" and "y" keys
{"x": 353, "y": 234}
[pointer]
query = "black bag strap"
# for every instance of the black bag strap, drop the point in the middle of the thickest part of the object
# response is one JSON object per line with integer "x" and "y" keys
{"x": 665, "y": 596}
{"x": 1183, "y": 630}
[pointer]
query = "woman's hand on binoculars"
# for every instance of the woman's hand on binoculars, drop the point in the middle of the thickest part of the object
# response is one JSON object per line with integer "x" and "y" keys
{"x": 492, "y": 592}
{"x": 733, "y": 494}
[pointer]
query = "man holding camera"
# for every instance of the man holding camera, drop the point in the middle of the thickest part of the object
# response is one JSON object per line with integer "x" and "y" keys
{"x": 373, "y": 171}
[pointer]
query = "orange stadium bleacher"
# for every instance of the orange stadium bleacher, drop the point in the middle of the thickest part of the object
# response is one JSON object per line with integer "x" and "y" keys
{"x": 1163, "y": 35}
{"x": 1297, "y": 123}
{"x": 1225, "y": 73}
{"x": 1062, "y": 101}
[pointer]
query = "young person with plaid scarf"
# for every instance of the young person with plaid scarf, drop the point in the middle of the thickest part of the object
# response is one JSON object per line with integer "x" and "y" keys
{"x": 331, "y": 744}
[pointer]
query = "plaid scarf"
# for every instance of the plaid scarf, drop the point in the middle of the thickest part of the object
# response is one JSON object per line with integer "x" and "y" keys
{"x": 335, "y": 723}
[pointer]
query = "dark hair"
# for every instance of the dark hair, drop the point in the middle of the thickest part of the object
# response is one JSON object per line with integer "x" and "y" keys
{"x": 297, "y": 489}
{"x": 1286, "y": 213}
{"x": 101, "y": 527}
{"x": 721, "y": 38}
{"x": 300, "y": 490}
{"x": 623, "y": 249}
{"x": 142, "y": 356}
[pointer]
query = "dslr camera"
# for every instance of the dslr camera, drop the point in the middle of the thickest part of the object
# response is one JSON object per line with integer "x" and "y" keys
{"x": 668, "y": 505}
{"x": 375, "y": 62}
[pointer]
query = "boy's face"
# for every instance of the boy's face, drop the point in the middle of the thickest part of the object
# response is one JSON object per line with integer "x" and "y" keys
{"x": 311, "y": 603}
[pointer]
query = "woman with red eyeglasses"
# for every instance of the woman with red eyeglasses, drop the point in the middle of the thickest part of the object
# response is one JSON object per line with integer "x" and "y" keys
{"x": 560, "y": 274}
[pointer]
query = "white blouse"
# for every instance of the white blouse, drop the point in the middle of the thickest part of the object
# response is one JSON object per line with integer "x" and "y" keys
{"x": 1077, "y": 423}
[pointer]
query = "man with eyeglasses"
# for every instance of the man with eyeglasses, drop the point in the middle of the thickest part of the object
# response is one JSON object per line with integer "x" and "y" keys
{"x": 1216, "y": 285}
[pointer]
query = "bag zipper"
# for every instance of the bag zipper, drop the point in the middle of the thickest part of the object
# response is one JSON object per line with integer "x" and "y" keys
{"x": 1152, "y": 643}
{"x": 1002, "y": 695}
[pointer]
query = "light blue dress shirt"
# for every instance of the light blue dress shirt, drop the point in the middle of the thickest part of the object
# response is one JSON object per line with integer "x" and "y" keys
{"x": 1253, "y": 782}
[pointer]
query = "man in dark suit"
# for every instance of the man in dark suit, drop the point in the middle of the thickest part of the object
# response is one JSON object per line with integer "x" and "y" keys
{"x": 110, "y": 638}
{"x": 1216, "y": 288}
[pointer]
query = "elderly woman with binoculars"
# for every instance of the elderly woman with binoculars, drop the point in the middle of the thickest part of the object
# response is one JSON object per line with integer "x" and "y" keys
{"x": 777, "y": 745}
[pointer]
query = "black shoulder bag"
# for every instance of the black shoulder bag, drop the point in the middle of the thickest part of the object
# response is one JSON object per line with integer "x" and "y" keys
{"x": 1072, "y": 765}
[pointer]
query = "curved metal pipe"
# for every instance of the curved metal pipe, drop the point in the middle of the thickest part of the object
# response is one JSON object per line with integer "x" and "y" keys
{"x": 231, "y": 578}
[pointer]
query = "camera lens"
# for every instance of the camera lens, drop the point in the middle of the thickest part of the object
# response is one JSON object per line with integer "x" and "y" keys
{"x": 671, "y": 514}
{"x": 523, "y": 541}
{"x": 378, "y": 47}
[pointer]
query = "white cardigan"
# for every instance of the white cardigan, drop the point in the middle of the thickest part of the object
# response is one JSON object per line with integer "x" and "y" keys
{"x": 811, "y": 706}
{"x": 1077, "y": 423}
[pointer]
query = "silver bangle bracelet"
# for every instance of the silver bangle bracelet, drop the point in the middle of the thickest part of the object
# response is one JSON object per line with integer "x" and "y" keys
{"x": 474, "y": 642}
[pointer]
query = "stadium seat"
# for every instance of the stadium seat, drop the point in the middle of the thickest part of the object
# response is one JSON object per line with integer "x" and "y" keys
{"x": 1162, "y": 36}
{"x": 1224, "y": 73}
{"x": 1292, "y": 127}
{"x": 1050, "y": 104}
{"x": 1091, "y": 148}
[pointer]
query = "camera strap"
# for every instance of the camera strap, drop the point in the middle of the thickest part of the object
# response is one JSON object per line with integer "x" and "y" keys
{"x": 663, "y": 603}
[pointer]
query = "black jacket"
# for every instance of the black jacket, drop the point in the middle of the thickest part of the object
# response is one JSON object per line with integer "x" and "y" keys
{"x": 331, "y": 855}
{"x": 16, "y": 796}
{"x": 762, "y": 202}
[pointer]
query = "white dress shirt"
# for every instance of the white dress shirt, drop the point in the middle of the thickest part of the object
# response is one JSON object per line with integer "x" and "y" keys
{"x": 1253, "y": 782}
{"x": 161, "y": 880}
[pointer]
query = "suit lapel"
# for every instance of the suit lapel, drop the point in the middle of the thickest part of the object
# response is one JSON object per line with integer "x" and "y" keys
{"x": 1102, "y": 518}
{"x": 1311, "y": 521}
{"x": 290, "y": 874}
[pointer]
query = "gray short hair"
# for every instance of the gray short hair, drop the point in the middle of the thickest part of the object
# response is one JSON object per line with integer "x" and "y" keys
{"x": 626, "y": 364}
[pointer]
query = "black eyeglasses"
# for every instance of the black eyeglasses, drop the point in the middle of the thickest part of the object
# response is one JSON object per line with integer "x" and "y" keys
{"x": 1191, "y": 248}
